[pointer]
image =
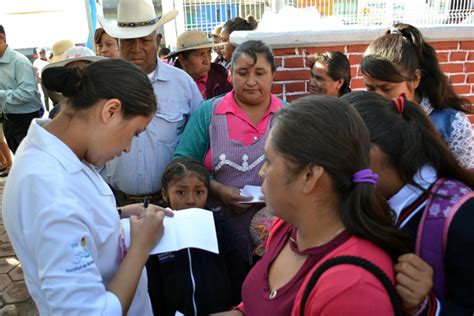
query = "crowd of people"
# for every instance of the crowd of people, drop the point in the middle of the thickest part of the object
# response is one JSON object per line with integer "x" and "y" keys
{"x": 374, "y": 186}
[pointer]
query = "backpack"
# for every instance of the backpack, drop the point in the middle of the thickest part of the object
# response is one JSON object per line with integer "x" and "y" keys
{"x": 447, "y": 197}
{"x": 360, "y": 262}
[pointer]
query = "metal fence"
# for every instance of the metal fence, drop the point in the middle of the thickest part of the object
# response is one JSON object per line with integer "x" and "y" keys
{"x": 207, "y": 14}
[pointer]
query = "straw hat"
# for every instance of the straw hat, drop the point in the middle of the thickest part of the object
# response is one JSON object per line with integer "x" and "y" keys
{"x": 76, "y": 53}
{"x": 59, "y": 48}
{"x": 135, "y": 19}
{"x": 191, "y": 40}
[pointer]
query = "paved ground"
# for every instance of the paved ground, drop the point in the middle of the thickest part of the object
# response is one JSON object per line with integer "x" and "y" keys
{"x": 14, "y": 297}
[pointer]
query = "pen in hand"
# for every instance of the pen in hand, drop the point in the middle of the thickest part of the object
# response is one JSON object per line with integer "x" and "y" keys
{"x": 146, "y": 202}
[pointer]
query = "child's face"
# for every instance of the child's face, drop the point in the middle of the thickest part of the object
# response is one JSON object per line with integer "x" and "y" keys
{"x": 189, "y": 191}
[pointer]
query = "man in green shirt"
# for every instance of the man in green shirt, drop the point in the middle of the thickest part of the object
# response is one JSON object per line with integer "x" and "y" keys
{"x": 20, "y": 100}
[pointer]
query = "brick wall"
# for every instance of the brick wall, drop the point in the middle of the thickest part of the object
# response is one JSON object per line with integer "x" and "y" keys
{"x": 292, "y": 76}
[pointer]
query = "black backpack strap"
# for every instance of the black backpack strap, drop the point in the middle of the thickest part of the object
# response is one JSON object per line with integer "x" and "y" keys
{"x": 357, "y": 261}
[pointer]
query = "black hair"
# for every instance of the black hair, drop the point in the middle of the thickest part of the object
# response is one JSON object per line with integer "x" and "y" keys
{"x": 2, "y": 30}
{"x": 252, "y": 48}
{"x": 180, "y": 168}
{"x": 409, "y": 139}
{"x": 240, "y": 24}
{"x": 337, "y": 67}
{"x": 396, "y": 56}
{"x": 327, "y": 132}
{"x": 164, "y": 51}
{"x": 104, "y": 79}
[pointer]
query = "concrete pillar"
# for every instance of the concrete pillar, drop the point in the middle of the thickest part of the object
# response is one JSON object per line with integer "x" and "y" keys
{"x": 176, "y": 27}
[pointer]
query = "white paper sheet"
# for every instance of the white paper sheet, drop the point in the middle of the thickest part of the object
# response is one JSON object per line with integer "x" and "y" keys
{"x": 189, "y": 228}
{"x": 253, "y": 191}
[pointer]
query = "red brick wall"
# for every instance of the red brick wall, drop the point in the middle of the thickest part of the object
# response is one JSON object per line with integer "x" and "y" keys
{"x": 292, "y": 76}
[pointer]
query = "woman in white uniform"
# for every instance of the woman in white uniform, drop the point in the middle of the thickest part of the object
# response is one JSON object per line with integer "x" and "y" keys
{"x": 59, "y": 213}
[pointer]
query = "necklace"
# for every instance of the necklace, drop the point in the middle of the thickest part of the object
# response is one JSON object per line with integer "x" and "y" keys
{"x": 309, "y": 251}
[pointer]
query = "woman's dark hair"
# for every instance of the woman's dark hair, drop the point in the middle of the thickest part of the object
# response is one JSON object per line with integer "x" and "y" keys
{"x": 395, "y": 57}
{"x": 337, "y": 67}
{"x": 252, "y": 48}
{"x": 98, "y": 35}
{"x": 104, "y": 79}
{"x": 409, "y": 139}
{"x": 182, "y": 167}
{"x": 184, "y": 56}
{"x": 2, "y": 30}
{"x": 164, "y": 51}
{"x": 240, "y": 24}
{"x": 327, "y": 132}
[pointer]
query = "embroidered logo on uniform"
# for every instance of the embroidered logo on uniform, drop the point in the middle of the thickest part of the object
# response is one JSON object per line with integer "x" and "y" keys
{"x": 80, "y": 257}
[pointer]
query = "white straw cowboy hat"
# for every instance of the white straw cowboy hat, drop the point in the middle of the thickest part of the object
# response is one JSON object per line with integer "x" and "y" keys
{"x": 191, "y": 40}
{"x": 135, "y": 19}
{"x": 76, "y": 53}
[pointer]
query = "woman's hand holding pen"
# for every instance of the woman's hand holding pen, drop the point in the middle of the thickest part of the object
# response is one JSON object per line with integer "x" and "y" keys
{"x": 147, "y": 228}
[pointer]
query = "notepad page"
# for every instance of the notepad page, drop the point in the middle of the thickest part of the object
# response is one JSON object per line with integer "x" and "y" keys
{"x": 195, "y": 228}
{"x": 167, "y": 243}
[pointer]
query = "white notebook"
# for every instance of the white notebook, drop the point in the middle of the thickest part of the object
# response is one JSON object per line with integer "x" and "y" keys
{"x": 188, "y": 228}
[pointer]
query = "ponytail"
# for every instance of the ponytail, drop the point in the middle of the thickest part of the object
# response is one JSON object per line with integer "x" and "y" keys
{"x": 240, "y": 24}
{"x": 67, "y": 81}
{"x": 367, "y": 214}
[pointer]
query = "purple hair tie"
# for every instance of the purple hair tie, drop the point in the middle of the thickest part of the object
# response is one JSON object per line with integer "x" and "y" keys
{"x": 365, "y": 176}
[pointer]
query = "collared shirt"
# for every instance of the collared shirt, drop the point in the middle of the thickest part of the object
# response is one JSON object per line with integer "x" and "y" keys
{"x": 61, "y": 219}
{"x": 18, "y": 89}
{"x": 241, "y": 128}
{"x": 202, "y": 86}
{"x": 409, "y": 193}
{"x": 139, "y": 171}
{"x": 195, "y": 141}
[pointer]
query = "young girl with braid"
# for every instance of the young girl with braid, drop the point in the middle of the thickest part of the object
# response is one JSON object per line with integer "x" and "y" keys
{"x": 194, "y": 281}
{"x": 433, "y": 200}
{"x": 402, "y": 61}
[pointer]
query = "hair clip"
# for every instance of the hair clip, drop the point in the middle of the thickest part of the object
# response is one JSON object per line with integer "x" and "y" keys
{"x": 394, "y": 30}
{"x": 400, "y": 102}
{"x": 365, "y": 176}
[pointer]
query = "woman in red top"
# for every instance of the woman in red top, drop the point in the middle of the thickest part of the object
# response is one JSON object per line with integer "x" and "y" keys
{"x": 315, "y": 179}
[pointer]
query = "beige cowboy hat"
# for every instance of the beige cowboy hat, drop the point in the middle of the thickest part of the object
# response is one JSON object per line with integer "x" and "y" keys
{"x": 191, "y": 40}
{"x": 73, "y": 54}
{"x": 135, "y": 19}
{"x": 59, "y": 48}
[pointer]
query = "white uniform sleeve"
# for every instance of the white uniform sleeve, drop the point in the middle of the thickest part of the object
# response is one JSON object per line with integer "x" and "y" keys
{"x": 462, "y": 140}
{"x": 65, "y": 252}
